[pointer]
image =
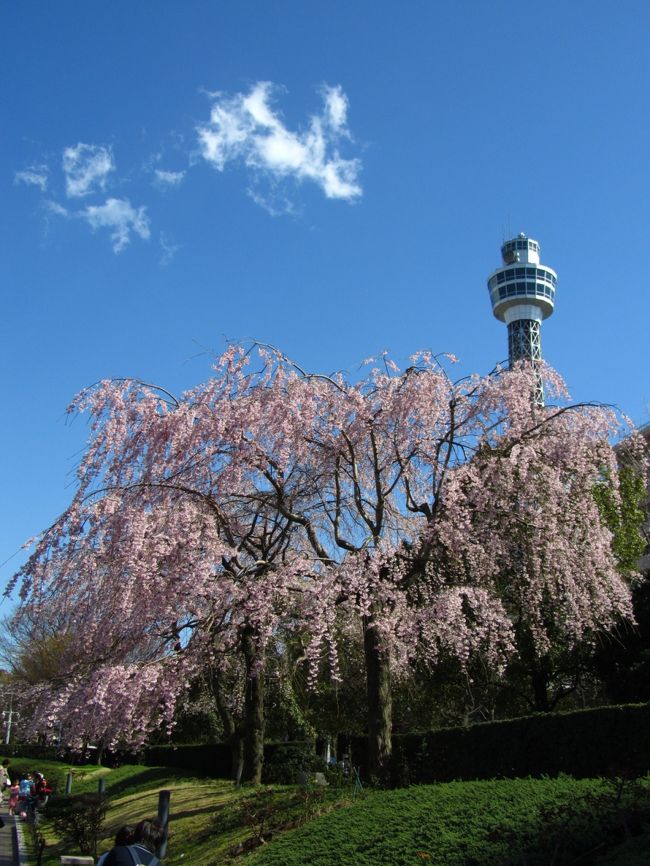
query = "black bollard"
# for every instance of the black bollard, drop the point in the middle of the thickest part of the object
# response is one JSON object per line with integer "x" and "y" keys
{"x": 102, "y": 786}
{"x": 68, "y": 782}
{"x": 163, "y": 817}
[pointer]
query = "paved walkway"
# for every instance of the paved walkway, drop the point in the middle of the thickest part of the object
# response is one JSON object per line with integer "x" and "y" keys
{"x": 8, "y": 848}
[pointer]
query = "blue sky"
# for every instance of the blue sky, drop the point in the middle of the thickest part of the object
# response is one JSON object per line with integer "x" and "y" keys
{"x": 332, "y": 177}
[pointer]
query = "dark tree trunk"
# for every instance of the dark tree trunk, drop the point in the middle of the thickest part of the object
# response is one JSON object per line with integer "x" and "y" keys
{"x": 237, "y": 766}
{"x": 233, "y": 732}
{"x": 253, "y": 711}
{"x": 537, "y": 667}
{"x": 380, "y": 704}
{"x": 539, "y": 680}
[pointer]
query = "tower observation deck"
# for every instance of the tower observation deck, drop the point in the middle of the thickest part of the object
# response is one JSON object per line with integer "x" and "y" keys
{"x": 522, "y": 292}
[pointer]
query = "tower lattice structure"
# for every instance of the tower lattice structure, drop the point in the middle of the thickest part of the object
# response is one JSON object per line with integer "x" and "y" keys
{"x": 522, "y": 292}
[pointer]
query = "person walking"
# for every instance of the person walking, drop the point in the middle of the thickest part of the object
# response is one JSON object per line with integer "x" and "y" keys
{"x": 5, "y": 781}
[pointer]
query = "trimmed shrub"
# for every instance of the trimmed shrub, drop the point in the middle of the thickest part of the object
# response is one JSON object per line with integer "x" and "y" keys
{"x": 32, "y": 750}
{"x": 206, "y": 759}
{"x": 79, "y": 820}
{"x": 55, "y": 774}
{"x": 215, "y": 759}
{"x": 583, "y": 744}
{"x": 284, "y": 761}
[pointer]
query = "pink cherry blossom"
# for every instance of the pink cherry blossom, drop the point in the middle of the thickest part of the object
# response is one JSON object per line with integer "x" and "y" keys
{"x": 441, "y": 517}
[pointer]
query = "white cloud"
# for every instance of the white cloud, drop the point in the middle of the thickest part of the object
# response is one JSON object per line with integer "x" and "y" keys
{"x": 336, "y": 107}
{"x": 273, "y": 202}
{"x": 34, "y": 175}
{"x": 169, "y": 249}
{"x": 121, "y": 218}
{"x": 167, "y": 179}
{"x": 86, "y": 168}
{"x": 115, "y": 214}
{"x": 246, "y": 127}
{"x": 55, "y": 208}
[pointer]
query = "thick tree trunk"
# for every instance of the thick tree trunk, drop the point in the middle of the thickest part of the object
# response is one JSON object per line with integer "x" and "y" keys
{"x": 237, "y": 765}
{"x": 233, "y": 732}
{"x": 380, "y": 705}
{"x": 253, "y": 711}
{"x": 537, "y": 667}
{"x": 539, "y": 680}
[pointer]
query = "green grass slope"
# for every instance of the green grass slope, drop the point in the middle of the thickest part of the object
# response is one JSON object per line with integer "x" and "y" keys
{"x": 133, "y": 796}
{"x": 496, "y": 823}
{"x": 509, "y": 822}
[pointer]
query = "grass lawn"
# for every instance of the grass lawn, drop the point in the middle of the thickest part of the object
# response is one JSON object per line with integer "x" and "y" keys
{"x": 491, "y": 823}
{"x": 508, "y": 822}
{"x": 133, "y": 796}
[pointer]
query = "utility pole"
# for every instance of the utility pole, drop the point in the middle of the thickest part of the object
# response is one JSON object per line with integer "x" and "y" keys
{"x": 9, "y": 719}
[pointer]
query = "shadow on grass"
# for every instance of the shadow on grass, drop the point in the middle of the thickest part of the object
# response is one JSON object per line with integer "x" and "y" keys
{"x": 147, "y": 778}
{"x": 191, "y": 813}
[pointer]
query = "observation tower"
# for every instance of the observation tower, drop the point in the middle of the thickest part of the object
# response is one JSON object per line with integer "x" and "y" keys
{"x": 522, "y": 292}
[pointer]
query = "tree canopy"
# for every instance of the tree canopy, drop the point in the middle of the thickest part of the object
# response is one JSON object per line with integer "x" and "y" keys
{"x": 431, "y": 518}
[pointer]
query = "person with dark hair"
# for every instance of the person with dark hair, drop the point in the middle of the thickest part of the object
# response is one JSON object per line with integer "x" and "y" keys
{"x": 38, "y": 795}
{"x": 40, "y": 789}
{"x": 5, "y": 781}
{"x": 149, "y": 834}
{"x": 139, "y": 849}
{"x": 24, "y": 793}
{"x": 124, "y": 836}
{"x": 14, "y": 793}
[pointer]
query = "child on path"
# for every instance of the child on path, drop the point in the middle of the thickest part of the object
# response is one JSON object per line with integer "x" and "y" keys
{"x": 13, "y": 799}
{"x": 24, "y": 793}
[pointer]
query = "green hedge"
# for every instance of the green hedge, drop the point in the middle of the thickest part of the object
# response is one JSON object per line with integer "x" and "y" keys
{"x": 53, "y": 771}
{"x": 586, "y": 743}
{"x": 283, "y": 762}
{"x": 583, "y": 744}
{"x": 32, "y": 750}
{"x": 206, "y": 759}
{"x": 215, "y": 759}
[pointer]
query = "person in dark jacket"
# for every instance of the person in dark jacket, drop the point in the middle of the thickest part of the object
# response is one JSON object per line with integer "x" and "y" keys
{"x": 147, "y": 837}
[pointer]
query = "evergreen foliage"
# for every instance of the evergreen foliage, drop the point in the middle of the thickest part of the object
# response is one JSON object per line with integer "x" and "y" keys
{"x": 584, "y": 743}
{"x": 526, "y": 822}
{"x": 79, "y": 819}
{"x": 284, "y": 762}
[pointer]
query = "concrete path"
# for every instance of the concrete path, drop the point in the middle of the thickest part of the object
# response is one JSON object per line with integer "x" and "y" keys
{"x": 9, "y": 846}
